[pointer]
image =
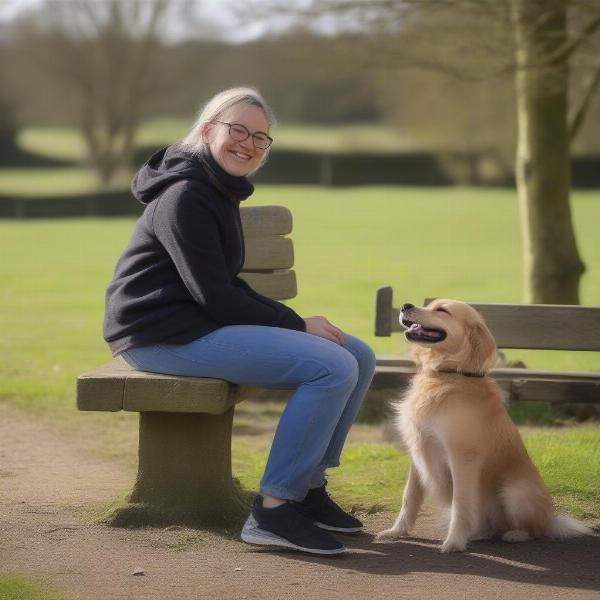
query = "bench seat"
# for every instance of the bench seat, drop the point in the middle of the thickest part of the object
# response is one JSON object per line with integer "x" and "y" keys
{"x": 117, "y": 386}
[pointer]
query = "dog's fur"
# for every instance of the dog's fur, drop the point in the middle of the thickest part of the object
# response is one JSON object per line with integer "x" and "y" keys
{"x": 465, "y": 450}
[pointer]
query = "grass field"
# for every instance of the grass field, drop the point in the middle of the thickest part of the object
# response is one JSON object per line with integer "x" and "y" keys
{"x": 453, "y": 242}
{"x": 372, "y": 476}
{"x": 13, "y": 587}
{"x": 47, "y": 182}
{"x": 460, "y": 243}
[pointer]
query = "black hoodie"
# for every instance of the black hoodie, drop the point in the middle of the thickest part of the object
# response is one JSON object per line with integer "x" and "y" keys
{"x": 177, "y": 279}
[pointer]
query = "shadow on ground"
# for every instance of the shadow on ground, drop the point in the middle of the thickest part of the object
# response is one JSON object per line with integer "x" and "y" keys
{"x": 567, "y": 564}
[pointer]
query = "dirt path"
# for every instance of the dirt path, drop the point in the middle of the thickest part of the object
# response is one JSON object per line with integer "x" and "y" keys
{"x": 49, "y": 485}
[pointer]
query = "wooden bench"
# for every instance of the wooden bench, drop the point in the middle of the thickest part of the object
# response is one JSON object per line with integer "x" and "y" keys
{"x": 184, "y": 470}
{"x": 530, "y": 326}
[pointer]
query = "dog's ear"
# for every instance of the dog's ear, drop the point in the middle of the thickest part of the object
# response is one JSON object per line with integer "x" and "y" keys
{"x": 482, "y": 354}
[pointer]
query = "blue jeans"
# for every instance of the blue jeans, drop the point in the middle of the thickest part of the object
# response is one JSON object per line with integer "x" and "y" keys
{"x": 330, "y": 382}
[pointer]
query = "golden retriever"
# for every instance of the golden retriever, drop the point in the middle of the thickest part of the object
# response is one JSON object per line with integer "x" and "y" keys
{"x": 465, "y": 450}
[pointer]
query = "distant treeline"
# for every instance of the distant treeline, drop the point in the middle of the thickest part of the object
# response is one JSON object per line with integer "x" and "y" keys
{"x": 306, "y": 77}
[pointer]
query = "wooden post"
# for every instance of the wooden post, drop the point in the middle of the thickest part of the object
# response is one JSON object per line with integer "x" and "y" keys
{"x": 383, "y": 311}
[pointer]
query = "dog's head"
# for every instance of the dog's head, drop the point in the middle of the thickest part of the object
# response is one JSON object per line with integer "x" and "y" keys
{"x": 449, "y": 334}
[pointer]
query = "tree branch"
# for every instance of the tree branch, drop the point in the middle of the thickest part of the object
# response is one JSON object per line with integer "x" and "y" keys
{"x": 564, "y": 53}
{"x": 581, "y": 111}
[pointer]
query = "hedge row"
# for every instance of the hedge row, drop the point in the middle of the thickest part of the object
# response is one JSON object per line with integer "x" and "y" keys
{"x": 283, "y": 167}
{"x": 98, "y": 205}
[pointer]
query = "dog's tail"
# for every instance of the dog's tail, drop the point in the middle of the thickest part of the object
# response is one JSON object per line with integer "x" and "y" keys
{"x": 565, "y": 527}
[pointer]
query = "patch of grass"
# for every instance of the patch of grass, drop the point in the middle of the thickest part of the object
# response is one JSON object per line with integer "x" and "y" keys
{"x": 532, "y": 413}
{"x": 13, "y": 587}
{"x": 569, "y": 461}
{"x": 46, "y": 182}
{"x": 372, "y": 475}
{"x": 52, "y": 142}
{"x": 163, "y": 131}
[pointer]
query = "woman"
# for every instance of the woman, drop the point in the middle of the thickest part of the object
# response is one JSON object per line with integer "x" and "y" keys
{"x": 176, "y": 305}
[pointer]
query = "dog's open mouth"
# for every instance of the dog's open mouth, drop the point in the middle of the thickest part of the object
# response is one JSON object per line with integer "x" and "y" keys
{"x": 418, "y": 333}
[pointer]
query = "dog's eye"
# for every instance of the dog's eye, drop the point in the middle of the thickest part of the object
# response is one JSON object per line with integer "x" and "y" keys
{"x": 442, "y": 309}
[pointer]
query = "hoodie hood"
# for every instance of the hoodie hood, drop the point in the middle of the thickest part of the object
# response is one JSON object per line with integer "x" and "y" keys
{"x": 173, "y": 164}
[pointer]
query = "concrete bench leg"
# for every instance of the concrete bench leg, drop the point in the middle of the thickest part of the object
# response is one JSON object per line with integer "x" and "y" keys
{"x": 184, "y": 473}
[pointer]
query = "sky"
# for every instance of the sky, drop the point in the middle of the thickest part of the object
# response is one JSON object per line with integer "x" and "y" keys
{"x": 215, "y": 15}
{"x": 219, "y": 15}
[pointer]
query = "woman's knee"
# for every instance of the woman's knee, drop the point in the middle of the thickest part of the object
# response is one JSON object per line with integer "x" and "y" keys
{"x": 363, "y": 353}
{"x": 341, "y": 368}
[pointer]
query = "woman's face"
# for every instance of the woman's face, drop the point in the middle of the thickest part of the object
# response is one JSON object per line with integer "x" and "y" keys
{"x": 237, "y": 158}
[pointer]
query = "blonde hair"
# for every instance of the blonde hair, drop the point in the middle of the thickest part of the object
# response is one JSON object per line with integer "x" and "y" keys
{"x": 217, "y": 106}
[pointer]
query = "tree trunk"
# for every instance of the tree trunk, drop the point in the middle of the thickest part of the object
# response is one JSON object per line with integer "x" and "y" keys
{"x": 552, "y": 265}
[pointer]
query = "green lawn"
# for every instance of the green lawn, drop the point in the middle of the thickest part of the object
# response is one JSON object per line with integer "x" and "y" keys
{"x": 53, "y": 142}
{"x": 47, "y": 182}
{"x": 13, "y": 587}
{"x": 461, "y": 243}
{"x": 372, "y": 476}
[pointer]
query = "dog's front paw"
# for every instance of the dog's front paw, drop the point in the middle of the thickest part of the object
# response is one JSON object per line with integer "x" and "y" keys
{"x": 453, "y": 545}
{"x": 516, "y": 535}
{"x": 393, "y": 533}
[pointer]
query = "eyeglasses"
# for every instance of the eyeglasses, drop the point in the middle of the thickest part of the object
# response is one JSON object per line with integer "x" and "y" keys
{"x": 239, "y": 133}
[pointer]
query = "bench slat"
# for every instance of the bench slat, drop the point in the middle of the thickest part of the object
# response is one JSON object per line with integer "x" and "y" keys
{"x": 104, "y": 387}
{"x": 531, "y": 326}
{"x": 262, "y": 221}
{"x": 151, "y": 392}
{"x": 543, "y": 326}
{"x": 520, "y": 384}
{"x": 117, "y": 386}
{"x": 268, "y": 253}
{"x": 280, "y": 285}
{"x": 557, "y": 391}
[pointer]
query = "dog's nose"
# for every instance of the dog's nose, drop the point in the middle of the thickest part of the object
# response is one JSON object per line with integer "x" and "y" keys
{"x": 406, "y": 307}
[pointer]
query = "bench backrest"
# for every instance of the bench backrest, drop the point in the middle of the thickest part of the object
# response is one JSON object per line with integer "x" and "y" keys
{"x": 267, "y": 268}
{"x": 269, "y": 254}
{"x": 532, "y": 326}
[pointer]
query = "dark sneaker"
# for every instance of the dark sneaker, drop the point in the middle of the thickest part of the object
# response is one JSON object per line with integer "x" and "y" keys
{"x": 327, "y": 514}
{"x": 289, "y": 527}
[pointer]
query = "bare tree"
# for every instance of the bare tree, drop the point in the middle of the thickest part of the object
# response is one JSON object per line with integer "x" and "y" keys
{"x": 536, "y": 40}
{"x": 104, "y": 52}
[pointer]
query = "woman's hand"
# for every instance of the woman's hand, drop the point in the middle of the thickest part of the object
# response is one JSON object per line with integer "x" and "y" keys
{"x": 323, "y": 328}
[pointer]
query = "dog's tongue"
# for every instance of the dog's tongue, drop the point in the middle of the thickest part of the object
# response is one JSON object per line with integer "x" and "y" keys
{"x": 420, "y": 330}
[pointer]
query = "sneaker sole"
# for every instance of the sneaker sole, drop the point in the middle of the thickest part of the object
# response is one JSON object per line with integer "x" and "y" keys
{"x": 253, "y": 534}
{"x": 339, "y": 529}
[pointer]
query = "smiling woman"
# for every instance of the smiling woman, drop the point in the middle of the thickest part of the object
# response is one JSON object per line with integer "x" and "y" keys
{"x": 176, "y": 305}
